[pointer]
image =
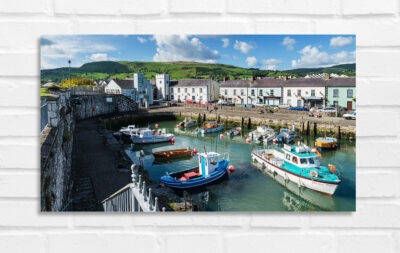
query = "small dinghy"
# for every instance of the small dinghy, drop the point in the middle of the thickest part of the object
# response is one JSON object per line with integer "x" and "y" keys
{"x": 187, "y": 123}
{"x": 263, "y": 133}
{"x": 211, "y": 169}
{"x": 285, "y": 136}
{"x": 168, "y": 155}
{"x": 210, "y": 127}
{"x": 237, "y": 131}
{"x": 326, "y": 143}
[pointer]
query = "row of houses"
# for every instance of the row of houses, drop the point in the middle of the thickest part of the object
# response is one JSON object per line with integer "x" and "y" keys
{"x": 320, "y": 92}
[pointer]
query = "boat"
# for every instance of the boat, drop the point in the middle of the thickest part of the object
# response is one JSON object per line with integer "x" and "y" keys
{"x": 131, "y": 130}
{"x": 187, "y": 123}
{"x": 326, "y": 143}
{"x": 212, "y": 167}
{"x": 166, "y": 155}
{"x": 236, "y": 131}
{"x": 299, "y": 165}
{"x": 210, "y": 127}
{"x": 151, "y": 136}
{"x": 285, "y": 136}
{"x": 262, "y": 133}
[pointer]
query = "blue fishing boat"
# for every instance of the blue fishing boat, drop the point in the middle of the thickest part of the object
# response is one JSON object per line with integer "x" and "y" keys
{"x": 285, "y": 136}
{"x": 299, "y": 165}
{"x": 212, "y": 167}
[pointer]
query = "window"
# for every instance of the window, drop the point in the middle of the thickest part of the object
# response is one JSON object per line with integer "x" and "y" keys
{"x": 260, "y": 92}
{"x": 271, "y": 92}
{"x": 226, "y": 91}
{"x": 303, "y": 160}
{"x": 172, "y": 90}
{"x": 335, "y": 103}
{"x": 289, "y": 101}
{"x": 234, "y": 91}
{"x": 312, "y": 93}
{"x": 287, "y": 157}
{"x": 350, "y": 93}
{"x": 242, "y": 92}
{"x": 335, "y": 93}
{"x": 201, "y": 90}
{"x": 252, "y": 93}
{"x": 311, "y": 160}
{"x": 298, "y": 92}
{"x": 193, "y": 89}
{"x": 294, "y": 160}
{"x": 185, "y": 90}
{"x": 160, "y": 81}
{"x": 289, "y": 93}
{"x": 179, "y": 90}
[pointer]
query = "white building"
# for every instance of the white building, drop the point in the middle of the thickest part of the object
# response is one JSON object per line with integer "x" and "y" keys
{"x": 304, "y": 92}
{"x": 117, "y": 86}
{"x": 162, "y": 85}
{"x": 267, "y": 91}
{"x": 143, "y": 88}
{"x": 194, "y": 90}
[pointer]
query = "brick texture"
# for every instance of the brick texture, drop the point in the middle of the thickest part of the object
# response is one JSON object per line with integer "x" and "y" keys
{"x": 373, "y": 227}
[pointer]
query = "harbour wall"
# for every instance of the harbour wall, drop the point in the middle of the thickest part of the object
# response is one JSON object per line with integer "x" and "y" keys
{"x": 57, "y": 140}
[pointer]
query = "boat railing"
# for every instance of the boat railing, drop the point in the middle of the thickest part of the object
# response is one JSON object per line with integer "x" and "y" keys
{"x": 225, "y": 156}
{"x": 134, "y": 197}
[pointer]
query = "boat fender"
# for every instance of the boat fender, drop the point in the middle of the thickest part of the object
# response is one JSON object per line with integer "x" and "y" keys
{"x": 333, "y": 146}
{"x": 332, "y": 168}
{"x": 221, "y": 136}
{"x": 231, "y": 168}
{"x": 156, "y": 125}
{"x": 194, "y": 151}
{"x": 173, "y": 140}
{"x": 313, "y": 173}
{"x": 248, "y": 141}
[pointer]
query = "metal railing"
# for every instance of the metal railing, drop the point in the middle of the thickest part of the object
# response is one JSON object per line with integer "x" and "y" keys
{"x": 134, "y": 197}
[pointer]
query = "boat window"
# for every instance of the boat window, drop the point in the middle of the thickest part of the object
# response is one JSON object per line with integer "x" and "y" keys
{"x": 303, "y": 160}
{"x": 287, "y": 157}
{"x": 311, "y": 160}
{"x": 295, "y": 159}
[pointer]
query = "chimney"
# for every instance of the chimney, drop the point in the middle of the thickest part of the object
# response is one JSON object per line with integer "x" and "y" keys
{"x": 284, "y": 77}
{"x": 326, "y": 76}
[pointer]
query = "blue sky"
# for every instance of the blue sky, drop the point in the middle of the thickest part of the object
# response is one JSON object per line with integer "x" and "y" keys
{"x": 273, "y": 52}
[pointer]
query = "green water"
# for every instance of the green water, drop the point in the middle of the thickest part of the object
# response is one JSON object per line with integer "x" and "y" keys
{"x": 249, "y": 189}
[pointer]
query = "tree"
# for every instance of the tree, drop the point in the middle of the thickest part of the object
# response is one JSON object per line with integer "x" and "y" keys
{"x": 66, "y": 83}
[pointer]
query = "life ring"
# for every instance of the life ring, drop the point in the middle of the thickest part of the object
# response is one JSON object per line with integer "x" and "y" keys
{"x": 313, "y": 173}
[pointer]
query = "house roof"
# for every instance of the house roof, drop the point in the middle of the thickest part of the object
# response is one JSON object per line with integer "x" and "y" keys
{"x": 124, "y": 84}
{"x": 192, "y": 82}
{"x": 294, "y": 82}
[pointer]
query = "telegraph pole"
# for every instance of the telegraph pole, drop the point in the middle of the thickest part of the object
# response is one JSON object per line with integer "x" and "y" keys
{"x": 69, "y": 74}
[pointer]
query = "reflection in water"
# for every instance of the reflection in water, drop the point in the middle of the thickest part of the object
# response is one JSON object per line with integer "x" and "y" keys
{"x": 249, "y": 189}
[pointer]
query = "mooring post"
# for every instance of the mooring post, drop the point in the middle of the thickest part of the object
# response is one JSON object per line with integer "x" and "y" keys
{"x": 199, "y": 119}
{"x": 218, "y": 119}
{"x": 204, "y": 117}
{"x": 242, "y": 124}
{"x": 302, "y": 128}
{"x": 339, "y": 135}
{"x": 308, "y": 128}
{"x": 249, "y": 123}
{"x": 315, "y": 128}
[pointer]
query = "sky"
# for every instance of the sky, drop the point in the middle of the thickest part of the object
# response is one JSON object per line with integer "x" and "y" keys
{"x": 270, "y": 52}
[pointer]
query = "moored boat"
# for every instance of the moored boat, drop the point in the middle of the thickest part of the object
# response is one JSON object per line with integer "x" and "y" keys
{"x": 166, "y": 155}
{"x": 210, "y": 127}
{"x": 211, "y": 169}
{"x": 299, "y": 165}
{"x": 187, "y": 123}
{"x": 285, "y": 136}
{"x": 236, "y": 131}
{"x": 263, "y": 133}
{"x": 148, "y": 136}
{"x": 326, "y": 143}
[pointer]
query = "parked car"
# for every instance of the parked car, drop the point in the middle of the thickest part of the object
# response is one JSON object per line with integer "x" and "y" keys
{"x": 248, "y": 105}
{"x": 350, "y": 115}
{"x": 299, "y": 108}
{"x": 328, "y": 109}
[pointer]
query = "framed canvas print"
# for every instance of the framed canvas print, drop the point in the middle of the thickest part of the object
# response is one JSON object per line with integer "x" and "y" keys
{"x": 194, "y": 123}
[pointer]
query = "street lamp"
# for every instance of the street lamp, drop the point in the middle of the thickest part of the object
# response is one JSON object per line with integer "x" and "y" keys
{"x": 69, "y": 73}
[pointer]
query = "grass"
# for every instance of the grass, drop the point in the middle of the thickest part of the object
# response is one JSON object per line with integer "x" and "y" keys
{"x": 43, "y": 92}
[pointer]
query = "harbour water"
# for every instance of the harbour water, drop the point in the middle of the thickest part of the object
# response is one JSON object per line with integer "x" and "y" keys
{"x": 250, "y": 189}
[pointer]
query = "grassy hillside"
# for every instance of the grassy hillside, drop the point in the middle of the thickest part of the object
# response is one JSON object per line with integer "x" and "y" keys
{"x": 177, "y": 70}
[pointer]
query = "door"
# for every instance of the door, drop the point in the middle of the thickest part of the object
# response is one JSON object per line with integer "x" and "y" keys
{"x": 349, "y": 105}
{"x": 203, "y": 166}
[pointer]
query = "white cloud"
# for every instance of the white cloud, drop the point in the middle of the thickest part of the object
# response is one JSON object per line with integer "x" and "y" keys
{"x": 142, "y": 39}
{"x": 312, "y": 57}
{"x": 271, "y": 64}
{"x": 101, "y": 57}
{"x": 242, "y": 46}
{"x": 225, "y": 42}
{"x": 59, "y": 47}
{"x": 251, "y": 61}
{"x": 289, "y": 43}
{"x": 341, "y": 41}
{"x": 182, "y": 48}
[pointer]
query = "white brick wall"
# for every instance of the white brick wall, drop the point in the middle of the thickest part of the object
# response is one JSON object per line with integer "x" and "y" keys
{"x": 374, "y": 227}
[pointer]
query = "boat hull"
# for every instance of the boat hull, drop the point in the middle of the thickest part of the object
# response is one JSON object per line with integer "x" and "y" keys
{"x": 154, "y": 139}
{"x": 211, "y": 130}
{"x": 324, "y": 187}
{"x": 173, "y": 154}
{"x": 215, "y": 176}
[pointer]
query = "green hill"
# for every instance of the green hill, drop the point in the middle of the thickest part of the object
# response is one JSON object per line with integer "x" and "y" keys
{"x": 177, "y": 70}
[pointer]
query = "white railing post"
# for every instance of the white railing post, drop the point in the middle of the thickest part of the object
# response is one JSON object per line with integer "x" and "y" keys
{"x": 144, "y": 191}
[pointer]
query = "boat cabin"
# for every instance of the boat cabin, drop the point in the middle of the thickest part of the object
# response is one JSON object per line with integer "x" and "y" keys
{"x": 146, "y": 133}
{"x": 208, "y": 162}
{"x": 300, "y": 156}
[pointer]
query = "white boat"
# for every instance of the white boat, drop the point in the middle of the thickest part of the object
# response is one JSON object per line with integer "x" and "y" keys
{"x": 187, "y": 123}
{"x": 263, "y": 133}
{"x": 299, "y": 165}
{"x": 132, "y": 130}
{"x": 151, "y": 136}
